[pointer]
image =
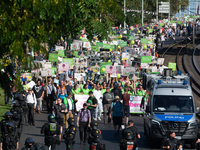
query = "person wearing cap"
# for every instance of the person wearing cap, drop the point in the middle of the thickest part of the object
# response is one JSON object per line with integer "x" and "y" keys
{"x": 31, "y": 103}
{"x": 135, "y": 133}
{"x": 108, "y": 97}
{"x": 83, "y": 122}
{"x": 117, "y": 113}
{"x": 92, "y": 104}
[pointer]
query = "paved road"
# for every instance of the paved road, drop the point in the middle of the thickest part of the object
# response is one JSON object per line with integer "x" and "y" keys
{"x": 109, "y": 139}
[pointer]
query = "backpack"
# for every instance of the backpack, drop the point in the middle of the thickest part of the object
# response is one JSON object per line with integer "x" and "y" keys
{"x": 81, "y": 115}
{"x": 70, "y": 132}
{"x": 128, "y": 134}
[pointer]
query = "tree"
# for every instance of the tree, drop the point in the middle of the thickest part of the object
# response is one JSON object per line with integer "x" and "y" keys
{"x": 25, "y": 24}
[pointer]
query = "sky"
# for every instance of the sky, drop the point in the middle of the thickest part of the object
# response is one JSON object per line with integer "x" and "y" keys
{"x": 192, "y": 8}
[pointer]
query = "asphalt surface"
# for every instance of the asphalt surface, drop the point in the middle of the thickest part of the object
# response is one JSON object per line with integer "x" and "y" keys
{"x": 108, "y": 137}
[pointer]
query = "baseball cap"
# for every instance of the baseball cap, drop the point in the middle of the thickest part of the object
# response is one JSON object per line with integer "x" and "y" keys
{"x": 107, "y": 87}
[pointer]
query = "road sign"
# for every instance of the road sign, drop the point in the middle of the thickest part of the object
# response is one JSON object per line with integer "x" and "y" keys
{"x": 164, "y": 7}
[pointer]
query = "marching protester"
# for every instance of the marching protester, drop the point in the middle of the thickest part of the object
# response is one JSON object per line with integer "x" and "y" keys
{"x": 92, "y": 104}
{"x": 83, "y": 122}
{"x": 97, "y": 94}
{"x": 51, "y": 93}
{"x": 126, "y": 106}
{"x": 39, "y": 93}
{"x": 108, "y": 97}
{"x": 117, "y": 113}
{"x": 31, "y": 103}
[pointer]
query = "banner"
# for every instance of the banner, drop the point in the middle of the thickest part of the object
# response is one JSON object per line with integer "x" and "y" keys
{"x": 53, "y": 57}
{"x": 61, "y": 53}
{"x": 122, "y": 43}
{"x": 135, "y": 102}
{"x": 172, "y": 66}
{"x": 144, "y": 41}
{"x": 81, "y": 100}
{"x": 74, "y": 46}
{"x": 69, "y": 60}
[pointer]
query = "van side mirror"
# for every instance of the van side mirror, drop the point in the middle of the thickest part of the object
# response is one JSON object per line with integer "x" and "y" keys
{"x": 148, "y": 109}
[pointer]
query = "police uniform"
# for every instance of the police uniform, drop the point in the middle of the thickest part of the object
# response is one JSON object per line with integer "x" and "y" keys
{"x": 130, "y": 137}
{"x": 174, "y": 143}
{"x": 4, "y": 122}
{"x": 70, "y": 134}
{"x": 9, "y": 138}
{"x": 51, "y": 131}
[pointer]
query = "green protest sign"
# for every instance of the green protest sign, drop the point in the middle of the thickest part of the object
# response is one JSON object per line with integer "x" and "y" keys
{"x": 54, "y": 70}
{"x": 131, "y": 37}
{"x": 122, "y": 43}
{"x": 61, "y": 53}
{"x": 179, "y": 22}
{"x": 95, "y": 48}
{"x": 99, "y": 44}
{"x": 144, "y": 41}
{"x": 53, "y": 57}
{"x": 84, "y": 40}
{"x": 172, "y": 66}
{"x": 76, "y": 54}
{"x": 146, "y": 59}
{"x": 112, "y": 47}
{"x": 69, "y": 60}
{"x": 150, "y": 30}
{"x": 103, "y": 66}
{"x": 106, "y": 64}
{"x": 106, "y": 46}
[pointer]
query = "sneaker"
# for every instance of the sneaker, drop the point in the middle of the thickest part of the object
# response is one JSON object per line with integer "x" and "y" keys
{"x": 95, "y": 119}
{"x": 99, "y": 119}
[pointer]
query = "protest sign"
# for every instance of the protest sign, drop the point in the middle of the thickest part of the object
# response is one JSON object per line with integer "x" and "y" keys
{"x": 119, "y": 69}
{"x": 122, "y": 43}
{"x": 145, "y": 54}
{"x": 54, "y": 70}
{"x": 172, "y": 66}
{"x": 86, "y": 44}
{"x": 56, "y": 81}
{"x": 46, "y": 73}
{"x": 146, "y": 59}
{"x": 74, "y": 46}
{"x": 160, "y": 61}
{"x": 81, "y": 100}
{"x": 59, "y": 48}
{"x": 99, "y": 44}
{"x": 31, "y": 84}
{"x": 106, "y": 46}
{"x": 129, "y": 69}
{"x": 150, "y": 30}
{"x": 53, "y": 57}
{"x": 63, "y": 66}
{"x": 144, "y": 41}
{"x": 125, "y": 56}
{"x": 79, "y": 76}
{"x": 143, "y": 65}
{"x": 68, "y": 60}
{"x": 131, "y": 37}
{"x": 111, "y": 69}
{"x": 61, "y": 53}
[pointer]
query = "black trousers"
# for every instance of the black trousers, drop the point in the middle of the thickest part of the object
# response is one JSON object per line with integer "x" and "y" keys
{"x": 30, "y": 113}
{"x": 50, "y": 100}
{"x": 92, "y": 113}
{"x": 83, "y": 127}
{"x": 6, "y": 98}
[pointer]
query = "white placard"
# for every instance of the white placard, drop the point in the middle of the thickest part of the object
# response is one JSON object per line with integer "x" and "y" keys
{"x": 79, "y": 76}
{"x": 81, "y": 100}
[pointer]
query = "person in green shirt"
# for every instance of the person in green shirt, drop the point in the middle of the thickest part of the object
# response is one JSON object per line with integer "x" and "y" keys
{"x": 122, "y": 89}
{"x": 94, "y": 86}
{"x": 91, "y": 104}
{"x": 85, "y": 90}
{"x": 131, "y": 91}
{"x": 102, "y": 90}
{"x": 140, "y": 92}
{"x": 75, "y": 90}
{"x": 81, "y": 84}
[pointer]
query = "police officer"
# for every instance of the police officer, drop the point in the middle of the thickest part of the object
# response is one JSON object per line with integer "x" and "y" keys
{"x": 70, "y": 134}
{"x": 129, "y": 134}
{"x": 10, "y": 139}
{"x": 95, "y": 137}
{"x": 92, "y": 104}
{"x": 31, "y": 145}
{"x": 51, "y": 131}
{"x": 171, "y": 143}
{"x": 8, "y": 118}
{"x": 17, "y": 116}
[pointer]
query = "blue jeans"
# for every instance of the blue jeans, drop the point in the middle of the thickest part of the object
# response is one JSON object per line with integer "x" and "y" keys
{"x": 98, "y": 111}
{"x": 162, "y": 44}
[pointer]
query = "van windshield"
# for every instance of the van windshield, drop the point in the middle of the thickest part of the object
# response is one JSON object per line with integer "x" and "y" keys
{"x": 164, "y": 103}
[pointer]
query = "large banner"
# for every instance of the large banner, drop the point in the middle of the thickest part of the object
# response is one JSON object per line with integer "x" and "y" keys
{"x": 135, "y": 102}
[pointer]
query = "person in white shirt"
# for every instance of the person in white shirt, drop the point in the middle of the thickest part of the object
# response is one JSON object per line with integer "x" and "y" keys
{"x": 97, "y": 94}
{"x": 31, "y": 103}
{"x": 162, "y": 40}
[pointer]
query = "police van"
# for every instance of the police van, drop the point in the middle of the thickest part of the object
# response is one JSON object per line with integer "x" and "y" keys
{"x": 170, "y": 107}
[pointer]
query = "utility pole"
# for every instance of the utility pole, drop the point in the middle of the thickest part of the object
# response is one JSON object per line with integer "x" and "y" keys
{"x": 157, "y": 11}
{"x": 193, "y": 30}
{"x": 142, "y": 12}
{"x": 124, "y": 13}
{"x": 169, "y": 12}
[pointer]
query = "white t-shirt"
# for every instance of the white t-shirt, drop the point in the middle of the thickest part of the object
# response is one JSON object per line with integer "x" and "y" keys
{"x": 98, "y": 95}
{"x": 70, "y": 104}
{"x": 31, "y": 99}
